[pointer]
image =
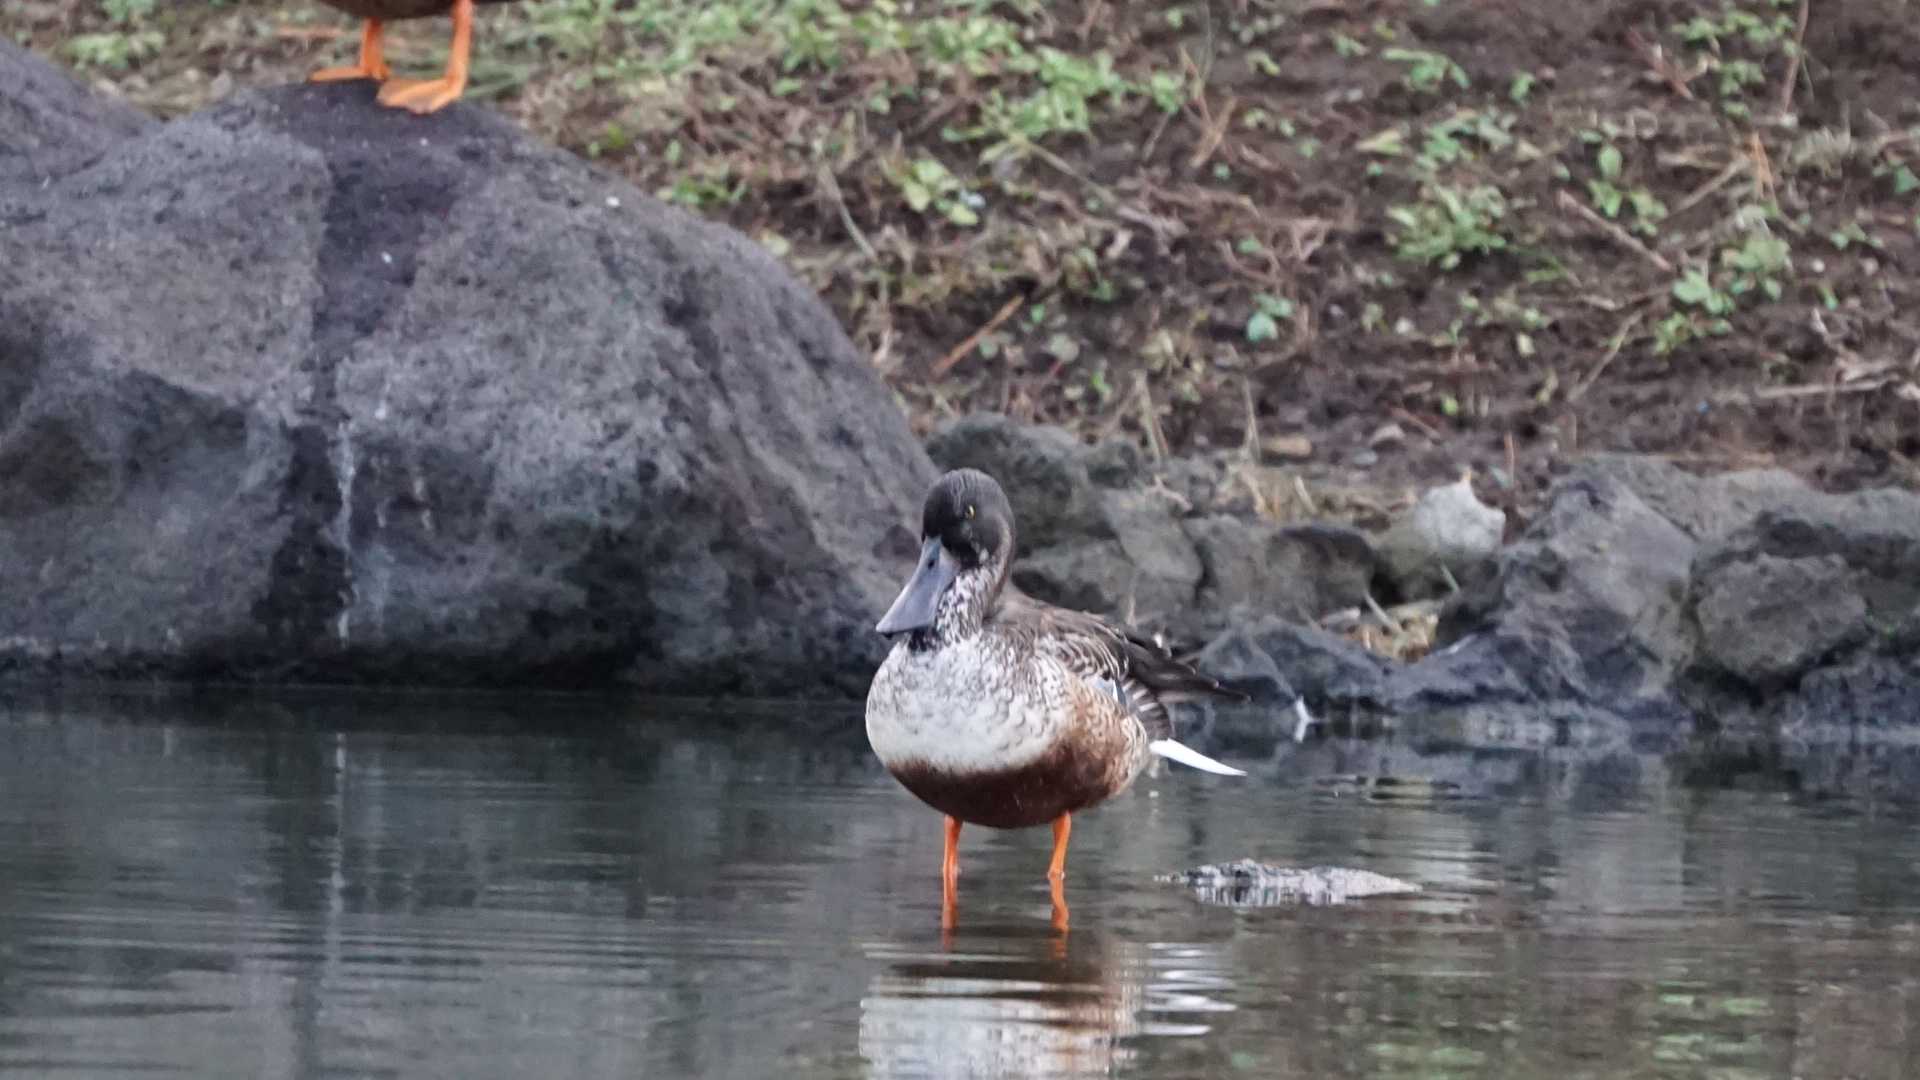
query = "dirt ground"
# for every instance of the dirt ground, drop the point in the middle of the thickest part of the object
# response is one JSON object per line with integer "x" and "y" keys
{"x": 1378, "y": 240}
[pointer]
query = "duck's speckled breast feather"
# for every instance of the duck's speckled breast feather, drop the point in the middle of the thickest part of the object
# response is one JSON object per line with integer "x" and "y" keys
{"x": 998, "y": 733}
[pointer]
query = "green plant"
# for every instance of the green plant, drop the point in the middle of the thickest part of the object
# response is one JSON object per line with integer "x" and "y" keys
{"x": 1427, "y": 70}
{"x": 1269, "y": 312}
{"x": 1758, "y": 263}
{"x": 1609, "y": 198}
{"x": 926, "y": 182}
{"x": 1449, "y": 223}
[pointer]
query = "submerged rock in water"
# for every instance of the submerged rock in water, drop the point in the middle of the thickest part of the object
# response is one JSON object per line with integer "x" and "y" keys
{"x": 1247, "y": 883}
{"x": 300, "y": 388}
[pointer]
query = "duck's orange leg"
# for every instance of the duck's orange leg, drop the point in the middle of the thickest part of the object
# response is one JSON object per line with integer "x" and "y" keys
{"x": 373, "y": 59}
{"x": 1062, "y": 828}
{"x": 950, "y": 875}
{"x": 1057, "y": 870}
{"x": 429, "y": 95}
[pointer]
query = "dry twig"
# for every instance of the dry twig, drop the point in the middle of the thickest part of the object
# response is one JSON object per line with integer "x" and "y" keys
{"x": 1614, "y": 232}
{"x": 959, "y": 352}
{"x": 1793, "y": 59}
{"x": 1613, "y": 349}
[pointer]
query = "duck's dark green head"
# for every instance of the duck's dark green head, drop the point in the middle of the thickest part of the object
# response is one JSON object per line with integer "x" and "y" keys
{"x": 966, "y": 542}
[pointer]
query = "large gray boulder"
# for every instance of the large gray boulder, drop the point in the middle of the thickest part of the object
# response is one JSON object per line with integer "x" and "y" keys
{"x": 1807, "y": 613}
{"x": 1582, "y": 621}
{"x": 302, "y": 388}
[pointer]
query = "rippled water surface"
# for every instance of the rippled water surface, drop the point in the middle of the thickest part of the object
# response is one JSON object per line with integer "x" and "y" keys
{"x": 329, "y": 886}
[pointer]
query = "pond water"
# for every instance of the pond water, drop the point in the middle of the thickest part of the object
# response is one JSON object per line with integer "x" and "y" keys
{"x": 310, "y": 886}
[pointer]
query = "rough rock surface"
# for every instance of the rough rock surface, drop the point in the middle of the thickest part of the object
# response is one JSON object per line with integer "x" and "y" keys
{"x": 1648, "y": 597}
{"x": 1768, "y": 620}
{"x": 1449, "y": 533}
{"x": 302, "y": 388}
{"x": 1274, "y": 661}
{"x": 50, "y": 125}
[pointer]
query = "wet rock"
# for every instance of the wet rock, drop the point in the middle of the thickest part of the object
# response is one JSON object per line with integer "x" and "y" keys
{"x": 1253, "y": 566}
{"x": 1276, "y": 661}
{"x": 1448, "y": 532}
{"x": 1767, "y": 620}
{"x": 303, "y": 388}
{"x": 1870, "y": 691}
{"x": 1043, "y": 470}
{"x": 1584, "y": 616}
{"x": 1114, "y": 463}
{"x": 1248, "y": 883}
{"x": 1810, "y": 613}
{"x": 50, "y": 125}
{"x": 1875, "y": 533}
{"x": 1146, "y": 573}
{"x": 1704, "y": 507}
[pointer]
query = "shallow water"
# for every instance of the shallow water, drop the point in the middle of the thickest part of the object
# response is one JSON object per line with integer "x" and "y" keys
{"x": 428, "y": 886}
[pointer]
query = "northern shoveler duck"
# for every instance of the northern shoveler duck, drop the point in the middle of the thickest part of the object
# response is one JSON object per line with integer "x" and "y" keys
{"x": 417, "y": 95}
{"x": 999, "y": 710}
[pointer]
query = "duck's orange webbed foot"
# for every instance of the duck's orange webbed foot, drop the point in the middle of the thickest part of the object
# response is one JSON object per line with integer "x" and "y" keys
{"x": 431, "y": 95}
{"x": 373, "y": 61}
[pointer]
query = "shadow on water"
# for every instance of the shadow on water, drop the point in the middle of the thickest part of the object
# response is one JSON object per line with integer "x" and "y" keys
{"x": 305, "y": 884}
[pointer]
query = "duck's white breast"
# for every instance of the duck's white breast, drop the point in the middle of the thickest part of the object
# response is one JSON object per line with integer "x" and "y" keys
{"x": 965, "y": 706}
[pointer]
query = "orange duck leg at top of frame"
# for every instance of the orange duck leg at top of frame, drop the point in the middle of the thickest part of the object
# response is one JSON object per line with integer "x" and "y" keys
{"x": 415, "y": 95}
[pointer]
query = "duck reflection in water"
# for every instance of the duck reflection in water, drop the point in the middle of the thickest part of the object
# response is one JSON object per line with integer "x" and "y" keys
{"x": 999, "y": 710}
{"x": 1009, "y": 1005}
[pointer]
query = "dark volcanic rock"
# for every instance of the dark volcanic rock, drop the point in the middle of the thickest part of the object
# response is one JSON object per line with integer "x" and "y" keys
{"x": 1703, "y": 507}
{"x": 1276, "y": 661}
{"x": 1875, "y": 691}
{"x": 1298, "y": 571}
{"x": 1448, "y": 534}
{"x": 299, "y": 387}
{"x": 50, "y": 125}
{"x": 1796, "y": 607}
{"x": 1147, "y": 572}
{"x": 1583, "y": 619}
{"x": 1767, "y": 620}
{"x": 1042, "y": 469}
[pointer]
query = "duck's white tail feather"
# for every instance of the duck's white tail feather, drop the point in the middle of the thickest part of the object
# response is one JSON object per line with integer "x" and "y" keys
{"x": 1191, "y": 758}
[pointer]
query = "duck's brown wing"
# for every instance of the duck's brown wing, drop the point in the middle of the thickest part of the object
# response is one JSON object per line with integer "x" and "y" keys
{"x": 1140, "y": 671}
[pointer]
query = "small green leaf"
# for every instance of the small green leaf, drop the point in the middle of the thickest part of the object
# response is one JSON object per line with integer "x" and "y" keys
{"x": 1610, "y": 162}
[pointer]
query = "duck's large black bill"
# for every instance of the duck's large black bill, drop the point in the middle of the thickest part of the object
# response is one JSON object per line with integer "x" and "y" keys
{"x": 918, "y": 603}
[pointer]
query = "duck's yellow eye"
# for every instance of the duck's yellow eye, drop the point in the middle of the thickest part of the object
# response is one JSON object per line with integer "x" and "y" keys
{"x": 969, "y": 510}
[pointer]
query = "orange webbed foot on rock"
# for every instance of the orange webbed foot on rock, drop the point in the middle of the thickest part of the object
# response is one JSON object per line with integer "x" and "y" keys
{"x": 373, "y": 63}
{"x": 431, "y": 95}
